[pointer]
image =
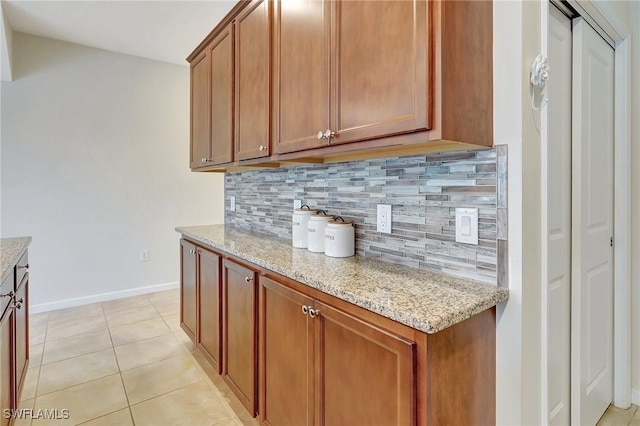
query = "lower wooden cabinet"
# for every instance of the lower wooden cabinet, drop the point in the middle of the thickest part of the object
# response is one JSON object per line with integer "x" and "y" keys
{"x": 188, "y": 289}
{"x": 209, "y": 338}
{"x": 321, "y": 366}
{"x": 240, "y": 338}
{"x": 7, "y": 376}
{"x": 22, "y": 332}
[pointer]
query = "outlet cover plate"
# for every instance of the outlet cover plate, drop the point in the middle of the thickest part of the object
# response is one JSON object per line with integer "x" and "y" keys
{"x": 383, "y": 218}
{"x": 297, "y": 204}
{"x": 467, "y": 226}
{"x": 233, "y": 203}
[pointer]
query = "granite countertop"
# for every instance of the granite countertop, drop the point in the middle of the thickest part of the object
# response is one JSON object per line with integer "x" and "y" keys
{"x": 11, "y": 249}
{"x": 427, "y": 301}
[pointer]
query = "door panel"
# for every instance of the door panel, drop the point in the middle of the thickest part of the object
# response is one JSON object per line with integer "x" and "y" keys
{"x": 287, "y": 356}
{"x": 364, "y": 376}
{"x": 22, "y": 332}
{"x": 188, "y": 290}
{"x": 221, "y": 52}
{"x": 380, "y": 68}
{"x": 200, "y": 113}
{"x": 6, "y": 364}
{"x": 301, "y": 86}
{"x": 209, "y": 312}
{"x": 252, "y": 77}
{"x": 558, "y": 185}
{"x": 239, "y": 359}
{"x": 592, "y": 198}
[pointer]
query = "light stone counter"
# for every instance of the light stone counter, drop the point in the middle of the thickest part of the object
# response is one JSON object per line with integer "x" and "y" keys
{"x": 11, "y": 249}
{"x": 426, "y": 301}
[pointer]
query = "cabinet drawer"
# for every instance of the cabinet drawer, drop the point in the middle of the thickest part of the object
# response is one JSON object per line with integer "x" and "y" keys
{"x": 22, "y": 268}
{"x": 7, "y": 288}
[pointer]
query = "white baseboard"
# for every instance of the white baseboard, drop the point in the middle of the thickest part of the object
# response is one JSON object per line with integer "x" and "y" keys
{"x": 635, "y": 396}
{"x": 102, "y": 297}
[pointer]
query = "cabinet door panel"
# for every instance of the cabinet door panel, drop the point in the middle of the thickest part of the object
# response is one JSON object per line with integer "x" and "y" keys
{"x": 22, "y": 332}
{"x": 200, "y": 110}
{"x": 380, "y": 80}
{"x": 252, "y": 72}
{"x": 221, "y": 52}
{"x": 188, "y": 289}
{"x": 286, "y": 356}
{"x": 6, "y": 365}
{"x": 364, "y": 375}
{"x": 209, "y": 312}
{"x": 301, "y": 75}
{"x": 239, "y": 359}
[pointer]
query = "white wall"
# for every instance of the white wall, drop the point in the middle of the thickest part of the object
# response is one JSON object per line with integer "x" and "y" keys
{"x": 95, "y": 150}
{"x": 635, "y": 202}
{"x": 6, "y": 45}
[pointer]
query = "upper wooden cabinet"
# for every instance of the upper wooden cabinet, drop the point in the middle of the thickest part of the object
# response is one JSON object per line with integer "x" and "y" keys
{"x": 377, "y": 84}
{"x": 323, "y": 80}
{"x": 212, "y": 103}
{"x": 252, "y": 75}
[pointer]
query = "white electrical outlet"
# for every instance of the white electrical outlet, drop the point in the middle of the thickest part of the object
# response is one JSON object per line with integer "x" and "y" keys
{"x": 144, "y": 255}
{"x": 384, "y": 218}
{"x": 297, "y": 204}
{"x": 467, "y": 226}
{"x": 233, "y": 203}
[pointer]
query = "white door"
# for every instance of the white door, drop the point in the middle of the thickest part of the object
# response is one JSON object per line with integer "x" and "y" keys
{"x": 592, "y": 227}
{"x": 558, "y": 284}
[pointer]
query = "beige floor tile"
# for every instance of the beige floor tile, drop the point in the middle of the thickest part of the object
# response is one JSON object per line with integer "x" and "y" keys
{"x": 637, "y": 415}
{"x": 72, "y": 328}
{"x": 131, "y": 315}
{"x": 37, "y": 333}
{"x": 76, "y": 312}
{"x": 70, "y": 372}
{"x": 234, "y": 404}
{"x": 138, "y": 331}
{"x": 196, "y": 405}
{"x": 151, "y": 380}
{"x": 57, "y": 350}
{"x": 173, "y": 321}
{"x": 164, "y": 296}
{"x": 30, "y": 384}
{"x": 168, "y": 307}
{"x": 185, "y": 341}
{"x": 615, "y": 418}
{"x": 39, "y": 319}
{"x": 85, "y": 402}
{"x": 24, "y": 418}
{"x": 119, "y": 418}
{"x": 126, "y": 303}
{"x": 147, "y": 351}
{"x": 35, "y": 355}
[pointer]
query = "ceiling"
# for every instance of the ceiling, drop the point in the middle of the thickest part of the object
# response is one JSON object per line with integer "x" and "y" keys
{"x": 162, "y": 30}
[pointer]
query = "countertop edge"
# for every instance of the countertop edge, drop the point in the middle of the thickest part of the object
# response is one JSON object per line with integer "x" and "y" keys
{"x": 429, "y": 327}
{"x": 16, "y": 257}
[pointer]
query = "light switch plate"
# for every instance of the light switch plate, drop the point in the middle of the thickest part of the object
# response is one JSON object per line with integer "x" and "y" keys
{"x": 297, "y": 204}
{"x": 233, "y": 203}
{"x": 467, "y": 226}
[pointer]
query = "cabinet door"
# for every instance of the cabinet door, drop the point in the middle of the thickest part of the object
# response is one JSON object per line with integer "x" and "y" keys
{"x": 286, "y": 356}
{"x": 301, "y": 73}
{"x": 6, "y": 365}
{"x": 209, "y": 312}
{"x": 200, "y": 110}
{"x": 239, "y": 359}
{"x": 252, "y": 76}
{"x": 188, "y": 289}
{"x": 380, "y": 76}
{"x": 364, "y": 375}
{"x": 22, "y": 332}
{"x": 221, "y": 53}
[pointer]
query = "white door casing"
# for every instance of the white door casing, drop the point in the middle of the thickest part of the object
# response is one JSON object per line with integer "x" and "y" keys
{"x": 558, "y": 229}
{"x": 592, "y": 227}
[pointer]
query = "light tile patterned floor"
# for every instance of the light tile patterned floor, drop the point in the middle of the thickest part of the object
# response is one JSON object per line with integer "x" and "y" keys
{"x": 615, "y": 416}
{"x": 124, "y": 362}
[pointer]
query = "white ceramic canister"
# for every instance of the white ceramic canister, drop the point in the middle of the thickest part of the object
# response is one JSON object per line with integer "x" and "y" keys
{"x": 299, "y": 224}
{"x": 340, "y": 238}
{"x": 317, "y": 224}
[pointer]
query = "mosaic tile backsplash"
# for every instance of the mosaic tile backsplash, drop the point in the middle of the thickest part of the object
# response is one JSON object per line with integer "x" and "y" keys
{"x": 423, "y": 190}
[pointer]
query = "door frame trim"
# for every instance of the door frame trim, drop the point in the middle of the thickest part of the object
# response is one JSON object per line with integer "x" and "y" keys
{"x": 601, "y": 14}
